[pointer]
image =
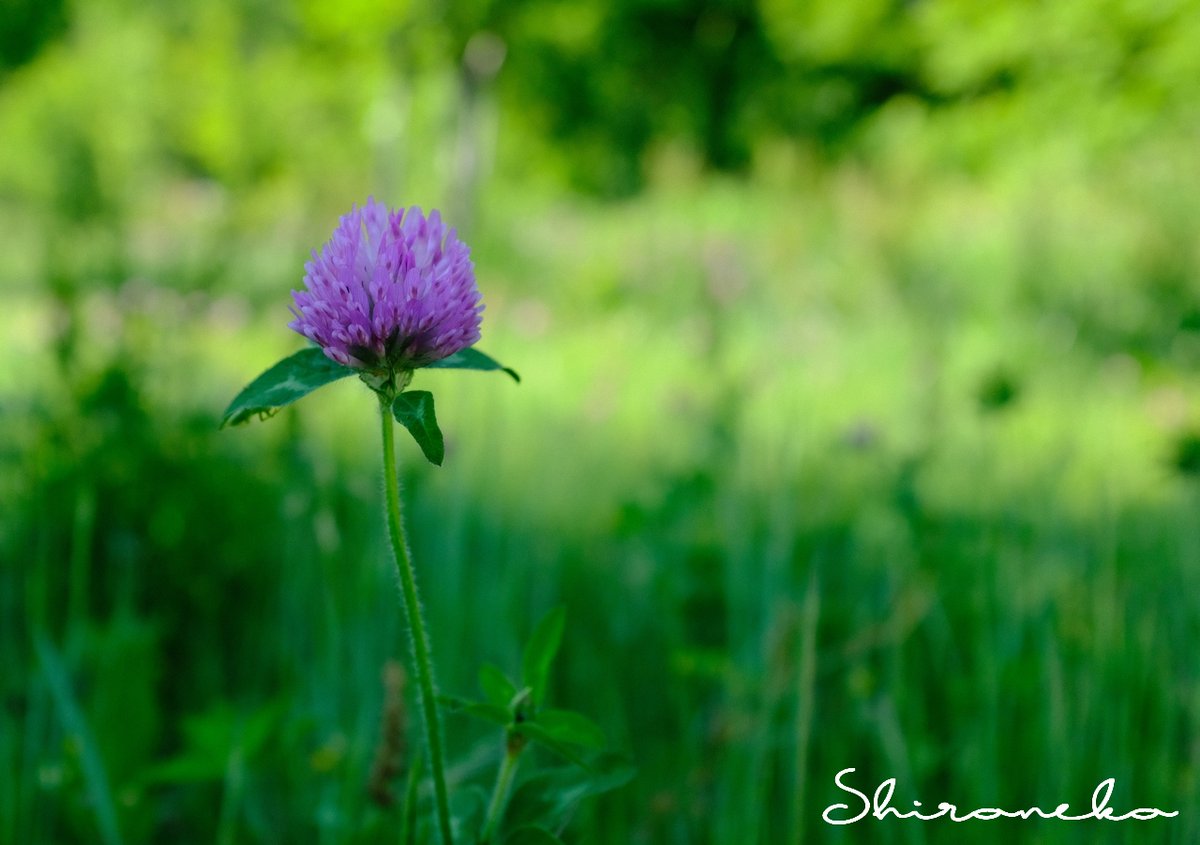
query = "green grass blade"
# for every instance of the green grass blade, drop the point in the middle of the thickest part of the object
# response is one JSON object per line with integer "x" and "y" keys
{"x": 74, "y": 723}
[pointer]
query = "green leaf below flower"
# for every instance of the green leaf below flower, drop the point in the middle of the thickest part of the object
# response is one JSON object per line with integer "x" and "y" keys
{"x": 292, "y": 378}
{"x": 472, "y": 359}
{"x": 414, "y": 410}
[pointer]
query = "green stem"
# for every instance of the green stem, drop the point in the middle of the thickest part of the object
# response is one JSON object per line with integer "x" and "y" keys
{"x": 416, "y": 626}
{"x": 504, "y": 781}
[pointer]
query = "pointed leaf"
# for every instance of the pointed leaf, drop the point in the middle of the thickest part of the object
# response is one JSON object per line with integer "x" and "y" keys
{"x": 488, "y": 713}
{"x": 539, "y": 652}
{"x": 75, "y": 725}
{"x": 414, "y": 410}
{"x": 572, "y": 728}
{"x": 292, "y": 378}
{"x": 532, "y": 836}
{"x": 536, "y": 733}
{"x": 496, "y": 686}
{"x": 473, "y": 359}
{"x": 484, "y": 710}
{"x": 453, "y": 703}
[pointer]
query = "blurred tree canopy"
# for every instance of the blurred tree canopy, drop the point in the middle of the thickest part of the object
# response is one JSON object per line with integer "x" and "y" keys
{"x": 25, "y": 26}
{"x": 235, "y": 88}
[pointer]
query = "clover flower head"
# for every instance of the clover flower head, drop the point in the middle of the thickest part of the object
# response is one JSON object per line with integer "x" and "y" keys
{"x": 390, "y": 290}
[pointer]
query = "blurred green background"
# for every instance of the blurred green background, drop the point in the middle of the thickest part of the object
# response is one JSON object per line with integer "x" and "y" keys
{"x": 859, "y": 425}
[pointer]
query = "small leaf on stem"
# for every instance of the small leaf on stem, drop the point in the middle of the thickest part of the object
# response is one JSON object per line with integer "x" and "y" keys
{"x": 534, "y": 732}
{"x": 571, "y": 727}
{"x": 539, "y": 652}
{"x": 453, "y": 703}
{"x": 488, "y": 713}
{"x": 472, "y": 359}
{"x": 292, "y": 378}
{"x": 414, "y": 410}
{"x": 496, "y": 686}
{"x": 484, "y": 710}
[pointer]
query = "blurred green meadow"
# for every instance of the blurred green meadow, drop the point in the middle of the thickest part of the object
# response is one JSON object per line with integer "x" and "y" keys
{"x": 858, "y": 424}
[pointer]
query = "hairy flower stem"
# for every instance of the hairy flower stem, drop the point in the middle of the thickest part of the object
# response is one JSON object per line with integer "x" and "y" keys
{"x": 504, "y": 779}
{"x": 419, "y": 639}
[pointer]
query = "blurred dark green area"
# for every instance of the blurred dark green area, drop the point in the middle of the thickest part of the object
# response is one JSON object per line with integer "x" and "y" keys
{"x": 858, "y": 427}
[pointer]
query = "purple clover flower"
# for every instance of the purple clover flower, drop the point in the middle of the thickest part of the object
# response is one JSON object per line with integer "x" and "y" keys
{"x": 390, "y": 290}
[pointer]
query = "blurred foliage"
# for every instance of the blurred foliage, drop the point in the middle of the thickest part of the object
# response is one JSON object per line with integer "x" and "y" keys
{"x": 25, "y": 27}
{"x": 858, "y": 423}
